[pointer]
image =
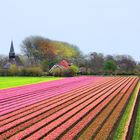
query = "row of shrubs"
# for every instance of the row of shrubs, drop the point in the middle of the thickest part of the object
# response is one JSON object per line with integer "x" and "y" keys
{"x": 14, "y": 71}
{"x": 72, "y": 71}
{"x": 37, "y": 71}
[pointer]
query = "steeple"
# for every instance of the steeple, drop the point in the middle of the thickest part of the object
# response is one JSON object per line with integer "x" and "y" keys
{"x": 12, "y": 52}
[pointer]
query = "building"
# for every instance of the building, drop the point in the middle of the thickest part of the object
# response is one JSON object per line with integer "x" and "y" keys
{"x": 13, "y": 58}
{"x": 64, "y": 64}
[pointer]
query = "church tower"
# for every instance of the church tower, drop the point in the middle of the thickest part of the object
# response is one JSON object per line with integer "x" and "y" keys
{"x": 12, "y": 55}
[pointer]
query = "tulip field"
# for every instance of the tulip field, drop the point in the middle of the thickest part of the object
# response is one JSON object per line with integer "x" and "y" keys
{"x": 78, "y": 108}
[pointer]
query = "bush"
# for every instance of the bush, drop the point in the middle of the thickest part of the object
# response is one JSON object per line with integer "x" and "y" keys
{"x": 72, "y": 71}
{"x": 31, "y": 71}
{"x": 13, "y": 70}
{"x": 57, "y": 72}
{"x": 3, "y": 72}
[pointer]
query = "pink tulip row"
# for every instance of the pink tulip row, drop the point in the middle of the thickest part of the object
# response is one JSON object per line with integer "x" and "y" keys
{"x": 45, "y": 85}
{"x": 29, "y": 95}
{"x": 59, "y": 99}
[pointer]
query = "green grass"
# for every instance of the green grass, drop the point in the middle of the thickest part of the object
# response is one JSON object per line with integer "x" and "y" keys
{"x": 8, "y": 82}
{"x": 136, "y": 132}
{"x": 122, "y": 125}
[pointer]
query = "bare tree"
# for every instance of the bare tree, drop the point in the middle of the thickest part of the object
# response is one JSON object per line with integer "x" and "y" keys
{"x": 125, "y": 63}
{"x": 3, "y": 60}
{"x": 96, "y": 62}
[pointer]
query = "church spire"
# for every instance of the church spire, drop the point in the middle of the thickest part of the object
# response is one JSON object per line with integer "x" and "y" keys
{"x": 12, "y": 52}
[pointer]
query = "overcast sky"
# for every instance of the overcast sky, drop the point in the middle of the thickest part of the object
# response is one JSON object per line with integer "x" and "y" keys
{"x": 106, "y": 26}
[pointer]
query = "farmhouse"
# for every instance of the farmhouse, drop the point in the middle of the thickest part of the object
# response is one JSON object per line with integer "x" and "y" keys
{"x": 64, "y": 64}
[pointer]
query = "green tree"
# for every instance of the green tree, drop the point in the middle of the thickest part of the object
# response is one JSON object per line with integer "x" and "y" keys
{"x": 72, "y": 71}
{"x": 110, "y": 66}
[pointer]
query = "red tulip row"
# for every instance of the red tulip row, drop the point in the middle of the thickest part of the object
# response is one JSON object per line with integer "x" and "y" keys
{"x": 79, "y": 113}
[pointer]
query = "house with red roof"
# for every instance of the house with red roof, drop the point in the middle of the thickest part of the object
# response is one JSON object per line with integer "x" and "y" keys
{"x": 64, "y": 64}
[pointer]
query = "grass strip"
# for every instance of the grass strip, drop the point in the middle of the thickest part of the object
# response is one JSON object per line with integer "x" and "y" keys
{"x": 136, "y": 131}
{"x": 9, "y": 82}
{"x": 123, "y": 125}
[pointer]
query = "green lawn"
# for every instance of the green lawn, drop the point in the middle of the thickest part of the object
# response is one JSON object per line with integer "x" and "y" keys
{"x": 119, "y": 134}
{"x": 8, "y": 82}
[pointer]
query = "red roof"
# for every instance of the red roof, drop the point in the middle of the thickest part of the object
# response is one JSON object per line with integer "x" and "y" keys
{"x": 64, "y": 64}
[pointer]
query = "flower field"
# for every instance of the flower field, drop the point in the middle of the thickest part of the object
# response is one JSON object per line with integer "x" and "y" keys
{"x": 85, "y": 107}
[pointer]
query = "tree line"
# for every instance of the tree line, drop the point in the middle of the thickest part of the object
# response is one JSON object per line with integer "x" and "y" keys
{"x": 98, "y": 63}
{"x": 42, "y": 53}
